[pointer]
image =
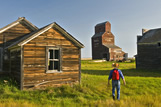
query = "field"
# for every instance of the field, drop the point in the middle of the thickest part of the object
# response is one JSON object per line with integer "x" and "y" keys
{"x": 142, "y": 89}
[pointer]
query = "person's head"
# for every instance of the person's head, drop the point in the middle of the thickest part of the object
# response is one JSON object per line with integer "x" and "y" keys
{"x": 115, "y": 65}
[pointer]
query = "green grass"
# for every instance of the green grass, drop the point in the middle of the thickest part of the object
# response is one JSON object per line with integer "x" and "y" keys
{"x": 142, "y": 89}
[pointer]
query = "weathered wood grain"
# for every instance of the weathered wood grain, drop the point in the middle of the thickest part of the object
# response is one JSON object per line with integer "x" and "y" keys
{"x": 35, "y": 60}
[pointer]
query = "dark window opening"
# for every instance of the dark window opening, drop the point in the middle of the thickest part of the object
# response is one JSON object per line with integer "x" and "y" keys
{"x": 50, "y": 66}
{"x": 53, "y": 60}
{"x": 56, "y": 54}
{"x": 56, "y": 65}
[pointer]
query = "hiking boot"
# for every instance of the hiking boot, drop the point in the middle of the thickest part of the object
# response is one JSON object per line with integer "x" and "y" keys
{"x": 113, "y": 97}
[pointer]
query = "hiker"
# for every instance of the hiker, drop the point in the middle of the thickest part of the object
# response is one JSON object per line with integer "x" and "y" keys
{"x": 115, "y": 75}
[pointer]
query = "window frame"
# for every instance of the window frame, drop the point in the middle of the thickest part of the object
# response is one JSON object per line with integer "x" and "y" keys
{"x": 48, "y": 59}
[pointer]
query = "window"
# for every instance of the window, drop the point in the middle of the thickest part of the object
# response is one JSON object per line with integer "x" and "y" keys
{"x": 53, "y": 60}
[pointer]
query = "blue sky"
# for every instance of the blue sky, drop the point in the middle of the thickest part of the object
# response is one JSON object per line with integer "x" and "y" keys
{"x": 78, "y": 17}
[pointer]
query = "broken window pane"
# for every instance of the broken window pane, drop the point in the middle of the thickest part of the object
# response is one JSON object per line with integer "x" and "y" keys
{"x": 51, "y": 65}
{"x": 51, "y": 54}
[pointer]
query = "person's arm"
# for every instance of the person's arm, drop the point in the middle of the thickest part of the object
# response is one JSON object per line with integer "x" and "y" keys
{"x": 122, "y": 76}
{"x": 110, "y": 76}
{"x": 124, "y": 81}
{"x": 108, "y": 82}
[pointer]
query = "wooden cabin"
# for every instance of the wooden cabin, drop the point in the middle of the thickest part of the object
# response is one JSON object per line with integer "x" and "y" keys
{"x": 38, "y": 58}
{"x": 149, "y": 49}
{"x": 103, "y": 44}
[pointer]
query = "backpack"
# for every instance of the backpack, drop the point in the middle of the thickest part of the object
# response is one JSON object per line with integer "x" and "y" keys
{"x": 115, "y": 75}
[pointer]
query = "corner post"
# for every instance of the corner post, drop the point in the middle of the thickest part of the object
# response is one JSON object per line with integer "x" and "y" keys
{"x": 22, "y": 69}
{"x": 79, "y": 66}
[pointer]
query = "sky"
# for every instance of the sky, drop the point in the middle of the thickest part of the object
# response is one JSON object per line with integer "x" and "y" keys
{"x": 79, "y": 17}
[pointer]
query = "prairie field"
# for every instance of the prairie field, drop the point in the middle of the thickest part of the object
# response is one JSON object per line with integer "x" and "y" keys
{"x": 142, "y": 89}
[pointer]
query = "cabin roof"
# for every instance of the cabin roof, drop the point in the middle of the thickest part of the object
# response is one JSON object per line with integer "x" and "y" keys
{"x": 19, "y": 20}
{"x": 25, "y": 39}
{"x": 153, "y": 35}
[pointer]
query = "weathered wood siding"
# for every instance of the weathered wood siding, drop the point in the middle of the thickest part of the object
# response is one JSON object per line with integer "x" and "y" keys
{"x": 15, "y": 64}
{"x": 108, "y": 38}
{"x": 35, "y": 61}
{"x": 14, "y": 32}
{"x": 116, "y": 54}
{"x": 8, "y": 36}
{"x": 148, "y": 56}
{"x": 99, "y": 51}
{"x": 96, "y": 48}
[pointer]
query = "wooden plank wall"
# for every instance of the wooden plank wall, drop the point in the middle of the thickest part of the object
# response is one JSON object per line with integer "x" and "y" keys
{"x": 15, "y": 65}
{"x": 108, "y": 38}
{"x": 35, "y": 61}
{"x": 115, "y": 55}
{"x": 10, "y": 34}
{"x": 14, "y": 32}
{"x": 147, "y": 56}
{"x": 97, "y": 48}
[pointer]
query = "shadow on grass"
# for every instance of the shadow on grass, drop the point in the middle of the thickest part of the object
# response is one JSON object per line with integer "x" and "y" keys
{"x": 127, "y": 72}
{"x": 6, "y": 80}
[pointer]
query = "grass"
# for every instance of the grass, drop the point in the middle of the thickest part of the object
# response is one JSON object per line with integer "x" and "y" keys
{"x": 142, "y": 89}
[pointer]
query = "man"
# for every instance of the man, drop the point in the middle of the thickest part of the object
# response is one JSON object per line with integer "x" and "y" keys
{"x": 115, "y": 75}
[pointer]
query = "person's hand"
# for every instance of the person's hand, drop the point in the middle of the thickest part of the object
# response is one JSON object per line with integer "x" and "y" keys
{"x": 108, "y": 83}
{"x": 124, "y": 81}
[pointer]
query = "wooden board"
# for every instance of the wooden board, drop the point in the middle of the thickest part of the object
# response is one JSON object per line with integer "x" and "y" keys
{"x": 35, "y": 60}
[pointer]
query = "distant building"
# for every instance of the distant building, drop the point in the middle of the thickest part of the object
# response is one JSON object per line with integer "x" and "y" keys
{"x": 103, "y": 44}
{"x": 149, "y": 49}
